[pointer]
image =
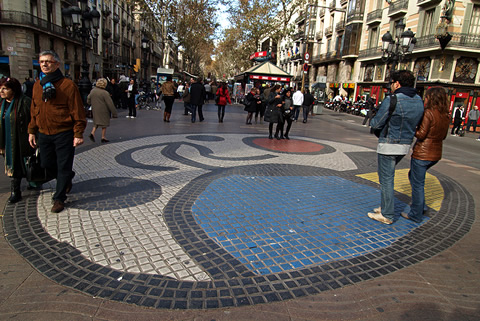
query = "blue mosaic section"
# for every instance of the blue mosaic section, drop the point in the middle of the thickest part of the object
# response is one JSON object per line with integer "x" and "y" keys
{"x": 279, "y": 223}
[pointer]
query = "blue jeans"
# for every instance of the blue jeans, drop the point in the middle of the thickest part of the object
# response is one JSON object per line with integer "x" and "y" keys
{"x": 56, "y": 155}
{"x": 296, "y": 111}
{"x": 416, "y": 175}
{"x": 386, "y": 176}
{"x": 306, "y": 110}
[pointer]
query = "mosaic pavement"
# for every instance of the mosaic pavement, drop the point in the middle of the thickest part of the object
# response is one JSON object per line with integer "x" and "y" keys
{"x": 208, "y": 221}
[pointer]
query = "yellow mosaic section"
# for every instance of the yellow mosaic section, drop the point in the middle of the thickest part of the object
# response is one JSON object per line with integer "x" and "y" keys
{"x": 434, "y": 193}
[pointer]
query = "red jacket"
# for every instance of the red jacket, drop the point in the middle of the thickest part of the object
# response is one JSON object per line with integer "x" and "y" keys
{"x": 224, "y": 97}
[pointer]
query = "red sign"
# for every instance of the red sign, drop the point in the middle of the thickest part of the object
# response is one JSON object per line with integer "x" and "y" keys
{"x": 284, "y": 79}
{"x": 461, "y": 95}
{"x": 305, "y": 67}
{"x": 258, "y": 54}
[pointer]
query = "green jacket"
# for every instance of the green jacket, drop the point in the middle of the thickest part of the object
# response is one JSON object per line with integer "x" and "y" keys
{"x": 19, "y": 120}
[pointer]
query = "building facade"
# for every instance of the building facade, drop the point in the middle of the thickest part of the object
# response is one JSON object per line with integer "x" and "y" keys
{"x": 29, "y": 27}
{"x": 344, "y": 42}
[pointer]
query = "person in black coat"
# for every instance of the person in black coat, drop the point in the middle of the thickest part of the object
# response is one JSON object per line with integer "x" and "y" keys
{"x": 251, "y": 102}
{"x": 308, "y": 101}
{"x": 274, "y": 112}
{"x": 197, "y": 97}
{"x": 458, "y": 118}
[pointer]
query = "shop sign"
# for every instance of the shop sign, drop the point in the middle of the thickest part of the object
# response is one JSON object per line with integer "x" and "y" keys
{"x": 348, "y": 85}
{"x": 461, "y": 95}
{"x": 283, "y": 79}
{"x": 334, "y": 85}
{"x": 367, "y": 89}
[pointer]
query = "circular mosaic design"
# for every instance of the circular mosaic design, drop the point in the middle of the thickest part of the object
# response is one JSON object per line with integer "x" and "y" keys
{"x": 206, "y": 138}
{"x": 222, "y": 217}
{"x": 112, "y": 193}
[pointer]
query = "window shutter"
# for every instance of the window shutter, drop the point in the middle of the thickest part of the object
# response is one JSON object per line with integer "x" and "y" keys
{"x": 467, "y": 18}
{"x": 421, "y": 18}
{"x": 436, "y": 19}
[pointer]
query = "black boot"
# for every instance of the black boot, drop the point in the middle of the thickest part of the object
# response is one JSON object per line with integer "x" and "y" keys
{"x": 16, "y": 195}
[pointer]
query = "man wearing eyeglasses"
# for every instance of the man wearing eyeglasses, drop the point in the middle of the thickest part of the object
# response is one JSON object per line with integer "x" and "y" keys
{"x": 397, "y": 133}
{"x": 58, "y": 118}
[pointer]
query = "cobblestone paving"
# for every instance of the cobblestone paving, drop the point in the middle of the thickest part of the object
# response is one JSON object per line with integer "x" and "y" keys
{"x": 206, "y": 221}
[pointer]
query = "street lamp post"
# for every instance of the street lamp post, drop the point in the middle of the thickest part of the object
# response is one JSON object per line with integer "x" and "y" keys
{"x": 397, "y": 50}
{"x": 83, "y": 22}
{"x": 145, "y": 49}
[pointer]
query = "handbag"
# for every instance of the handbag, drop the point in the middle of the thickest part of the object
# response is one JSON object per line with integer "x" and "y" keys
{"x": 35, "y": 172}
{"x": 217, "y": 99}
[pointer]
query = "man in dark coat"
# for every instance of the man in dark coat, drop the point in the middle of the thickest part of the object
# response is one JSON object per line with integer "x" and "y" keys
{"x": 308, "y": 101}
{"x": 197, "y": 97}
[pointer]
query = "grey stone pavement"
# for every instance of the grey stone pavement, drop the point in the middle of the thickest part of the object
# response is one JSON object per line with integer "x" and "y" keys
{"x": 128, "y": 247}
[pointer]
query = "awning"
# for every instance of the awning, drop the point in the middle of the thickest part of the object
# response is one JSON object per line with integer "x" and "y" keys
{"x": 265, "y": 71}
{"x": 164, "y": 71}
{"x": 319, "y": 85}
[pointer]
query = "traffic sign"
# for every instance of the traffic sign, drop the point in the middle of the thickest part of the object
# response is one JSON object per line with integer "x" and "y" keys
{"x": 307, "y": 56}
{"x": 305, "y": 67}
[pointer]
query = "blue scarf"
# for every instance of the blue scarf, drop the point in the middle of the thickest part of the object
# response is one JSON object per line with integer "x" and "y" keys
{"x": 8, "y": 136}
{"x": 47, "y": 83}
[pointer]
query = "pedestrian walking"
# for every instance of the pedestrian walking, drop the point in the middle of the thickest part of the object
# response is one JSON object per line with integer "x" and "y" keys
{"x": 427, "y": 151}
{"x": 15, "y": 116}
{"x": 274, "y": 112}
{"x": 131, "y": 93}
{"x": 473, "y": 119}
{"x": 370, "y": 105}
{"x": 458, "y": 118}
{"x": 186, "y": 99}
{"x": 223, "y": 97}
{"x": 297, "y": 103}
{"x": 288, "y": 112}
{"x": 123, "y": 84}
{"x": 308, "y": 101}
{"x": 168, "y": 90}
{"x": 58, "y": 117}
{"x": 251, "y": 103}
{"x": 260, "y": 110}
{"x": 197, "y": 98}
{"x": 102, "y": 107}
{"x": 397, "y": 118}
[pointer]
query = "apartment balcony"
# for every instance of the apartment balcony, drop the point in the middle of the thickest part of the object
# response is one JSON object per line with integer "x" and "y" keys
{"x": 319, "y": 35}
{"x": 298, "y": 36}
{"x": 332, "y": 4}
{"x": 26, "y": 20}
{"x": 355, "y": 16}
{"x": 126, "y": 43}
{"x": 398, "y": 8}
{"x": 328, "y": 31}
{"x": 116, "y": 38}
{"x": 459, "y": 40}
{"x": 321, "y": 12}
{"x": 296, "y": 57}
{"x": 301, "y": 18}
{"x": 107, "y": 33}
{"x": 374, "y": 17}
{"x": 422, "y": 3}
{"x": 343, "y": 2}
{"x": 340, "y": 26}
{"x": 371, "y": 52}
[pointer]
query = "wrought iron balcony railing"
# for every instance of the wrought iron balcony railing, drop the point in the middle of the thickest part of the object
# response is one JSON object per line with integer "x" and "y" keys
{"x": 374, "y": 15}
{"x": 398, "y": 7}
{"x": 18, "y": 18}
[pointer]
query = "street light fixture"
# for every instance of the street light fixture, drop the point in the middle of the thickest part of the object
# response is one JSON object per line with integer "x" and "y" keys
{"x": 145, "y": 49}
{"x": 397, "y": 50}
{"x": 84, "y": 22}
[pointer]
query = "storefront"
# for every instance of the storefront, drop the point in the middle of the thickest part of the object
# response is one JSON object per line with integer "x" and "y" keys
{"x": 265, "y": 72}
{"x": 367, "y": 90}
{"x": 350, "y": 89}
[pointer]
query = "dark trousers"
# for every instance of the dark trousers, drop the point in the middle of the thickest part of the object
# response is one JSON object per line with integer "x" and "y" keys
{"x": 296, "y": 111}
{"x": 221, "y": 112}
{"x": 132, "y": 110}
{"x": 456, "y": 126}
{"x": 56, "y": 155}
{"x": 472, "y": 122}
{"x": 194, "y": 109}
{"x": 169, "y": 100}
{"x": 306, "y": 110}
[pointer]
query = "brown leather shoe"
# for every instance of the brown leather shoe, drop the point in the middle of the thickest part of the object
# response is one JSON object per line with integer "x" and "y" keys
{"x": 58, "y": 206}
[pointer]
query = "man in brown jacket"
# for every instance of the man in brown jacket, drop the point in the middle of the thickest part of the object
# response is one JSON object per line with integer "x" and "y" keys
{"x": 58, "y": 117}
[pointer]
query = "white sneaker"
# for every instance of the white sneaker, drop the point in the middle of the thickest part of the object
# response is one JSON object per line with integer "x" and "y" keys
{"x": 478, "y": 139}
{"x": 133, "y": 117}
{"x": 127, "y": 116}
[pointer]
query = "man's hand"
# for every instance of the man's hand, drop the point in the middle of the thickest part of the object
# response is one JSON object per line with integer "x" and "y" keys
{"x": 77, "y": 141}
{"x": 32, "y": 140}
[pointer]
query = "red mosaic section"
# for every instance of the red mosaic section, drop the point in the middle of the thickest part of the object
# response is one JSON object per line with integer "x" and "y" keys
{"x": 289, "y": 146}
